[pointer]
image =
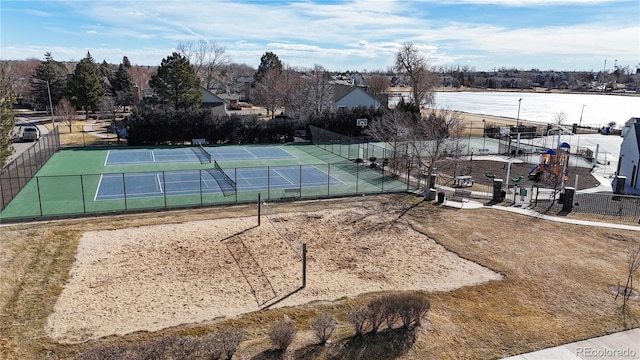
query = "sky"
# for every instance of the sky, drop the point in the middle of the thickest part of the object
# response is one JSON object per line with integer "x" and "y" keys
{"x": 356, "y": 35}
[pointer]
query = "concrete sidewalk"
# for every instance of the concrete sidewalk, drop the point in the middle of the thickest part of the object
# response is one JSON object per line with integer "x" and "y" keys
{"x": 623, "y": 345}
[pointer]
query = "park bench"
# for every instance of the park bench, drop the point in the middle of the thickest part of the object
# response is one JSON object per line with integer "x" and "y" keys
{"x": 460, "y": 196}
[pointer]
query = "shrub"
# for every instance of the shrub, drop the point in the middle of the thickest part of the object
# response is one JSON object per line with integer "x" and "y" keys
{"x": 282, "y": 333}
{"x": 323, "y": 327}
{"x": 358, "y": 318}
{"x": 411, "y": 309}
{"x": 221, "y": 344}
{"x": 230, "y": 340}
{"x": 376, "y": 312}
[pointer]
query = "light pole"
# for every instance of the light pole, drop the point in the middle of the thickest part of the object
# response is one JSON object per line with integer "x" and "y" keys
{"x": 518, "y": 117}
{"x": 53, "y": 121}
{"x": 581, "y": 112}
{"x": 484, "y": 135}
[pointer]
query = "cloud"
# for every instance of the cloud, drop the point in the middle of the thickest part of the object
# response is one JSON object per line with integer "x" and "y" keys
{"x": 358, "y": 33}
{"x": 39, "y": 13}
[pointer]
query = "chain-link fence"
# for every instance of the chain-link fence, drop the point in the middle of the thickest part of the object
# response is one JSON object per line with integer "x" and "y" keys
{"x": 60, "y": 196}
{"x": 605, "y": 206}
{"x": 15, "y": 176}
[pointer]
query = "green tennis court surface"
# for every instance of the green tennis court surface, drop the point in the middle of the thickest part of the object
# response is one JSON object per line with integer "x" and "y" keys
{"x": 86, "y": 181}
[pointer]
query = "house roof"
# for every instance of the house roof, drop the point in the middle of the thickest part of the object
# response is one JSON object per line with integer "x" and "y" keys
{"x": 340, "y": 91}
{"x": 209, "y": 97}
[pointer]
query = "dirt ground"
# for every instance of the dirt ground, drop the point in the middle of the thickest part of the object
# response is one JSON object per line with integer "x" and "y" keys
{"x": 499, "y": 284}
{"x": 154, "y": 277}
{"x": 483, "y": 165}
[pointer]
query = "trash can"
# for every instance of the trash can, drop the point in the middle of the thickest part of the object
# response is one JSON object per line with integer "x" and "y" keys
{"x": 440, "y": 198}
{"x": 431, "y": 194}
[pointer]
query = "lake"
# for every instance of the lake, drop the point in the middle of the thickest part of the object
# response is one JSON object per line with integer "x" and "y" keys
{"x": 599, "y": 109}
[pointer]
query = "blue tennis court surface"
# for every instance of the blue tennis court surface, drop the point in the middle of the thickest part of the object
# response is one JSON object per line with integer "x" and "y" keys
{"x": 151, "y": 184}
{"x": 194, "y": 154}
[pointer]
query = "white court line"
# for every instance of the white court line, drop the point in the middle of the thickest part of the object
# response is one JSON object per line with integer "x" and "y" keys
{"x": 292, "y": 155}
{"x": 95, "y": 197}
{"x": 159, "y": 183}
{"x": 153, "y": 156}
{"x": 284, "y": 177}
{"x": 106, "y": 160}
{"x": 329, "y": 175}
{"x": 250, "y": 153}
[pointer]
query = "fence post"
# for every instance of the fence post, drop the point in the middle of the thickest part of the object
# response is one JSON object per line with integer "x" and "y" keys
{"x": 164, "y": 188}
{"x": 235, "y": 180}
{"x": 328, "y": 179}
{"x": 304, "y": 265}
{"x": 124, "y": 191}
{"x": 268, "y": 183}
{"x": 200, "y": 182}
{"x": 84, "y": 206}
{"x": 357, "y": 177}
{"x": 300, "y": 182}
{"x": 39, "y": 197}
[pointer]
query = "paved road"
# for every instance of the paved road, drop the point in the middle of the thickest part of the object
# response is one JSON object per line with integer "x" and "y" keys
{"x": 24, "y": 119}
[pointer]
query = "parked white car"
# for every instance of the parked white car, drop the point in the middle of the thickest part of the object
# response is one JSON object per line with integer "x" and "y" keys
{"x": 30, "y": 133}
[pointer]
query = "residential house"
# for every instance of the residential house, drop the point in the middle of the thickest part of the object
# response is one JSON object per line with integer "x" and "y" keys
{"x": 213, "y": 102}
{"x": 629, "y": 161}
{"x": 349, "y": 97}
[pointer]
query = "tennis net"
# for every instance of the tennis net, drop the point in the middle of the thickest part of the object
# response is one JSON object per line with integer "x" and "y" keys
{"x": 227, "y": 185}
{"x": 204, "y": 153}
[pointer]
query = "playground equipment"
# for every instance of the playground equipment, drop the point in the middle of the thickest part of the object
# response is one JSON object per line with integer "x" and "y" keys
{"x": 553, "y": 165}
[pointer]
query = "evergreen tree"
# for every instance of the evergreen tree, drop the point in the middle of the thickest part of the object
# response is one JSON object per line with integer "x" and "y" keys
{"x": 7, "y": 120}
{"x": 53, "y": 72}
{"x": 268, "y": 61}
{"x": 122, "y": 86}
{"x": 126, "y": 62}
{"x": 176, "y": 83}
{"x": 104, "y": 75}
{"x": 104, "y": 70}
{"x": 85, "y": 85}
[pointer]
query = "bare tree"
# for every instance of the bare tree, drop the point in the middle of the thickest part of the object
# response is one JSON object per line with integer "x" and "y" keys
{"x": 141, "y": 75}
{"x": 321, "y": 92}
{"x": 560, "y": 119}
{"x": 436, "y": 136}
{"x": 18, "y": 72}
{"x": 358, "y": 318}
{"x": 323, "y": 327}
{"x": 633, "y": 264}
{"x": 269, "y": 91}
{"x": 282, "y": 334}
{"x": 296, "y": 96}
{"x": 414, "y": 67}
{"x": 377, "y": 83}
{"x": 66, "y": 113}
{"x": 427, "y": 138}
{"x": 392, "y": 128}
{"x": 207, "y": 57}
{"x": 110, "y": 104}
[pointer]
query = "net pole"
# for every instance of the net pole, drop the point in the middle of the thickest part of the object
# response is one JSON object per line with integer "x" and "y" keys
{"x": 304, "y": 265}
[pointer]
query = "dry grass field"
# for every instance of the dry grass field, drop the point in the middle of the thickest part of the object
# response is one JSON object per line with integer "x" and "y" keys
{"x": 499, "y": 283}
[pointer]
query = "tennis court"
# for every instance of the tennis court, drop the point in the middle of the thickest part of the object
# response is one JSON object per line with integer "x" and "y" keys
{"x": 140, "y": 185}
{"x": 106, "y": 180}
{"x": 194, "y": 154}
